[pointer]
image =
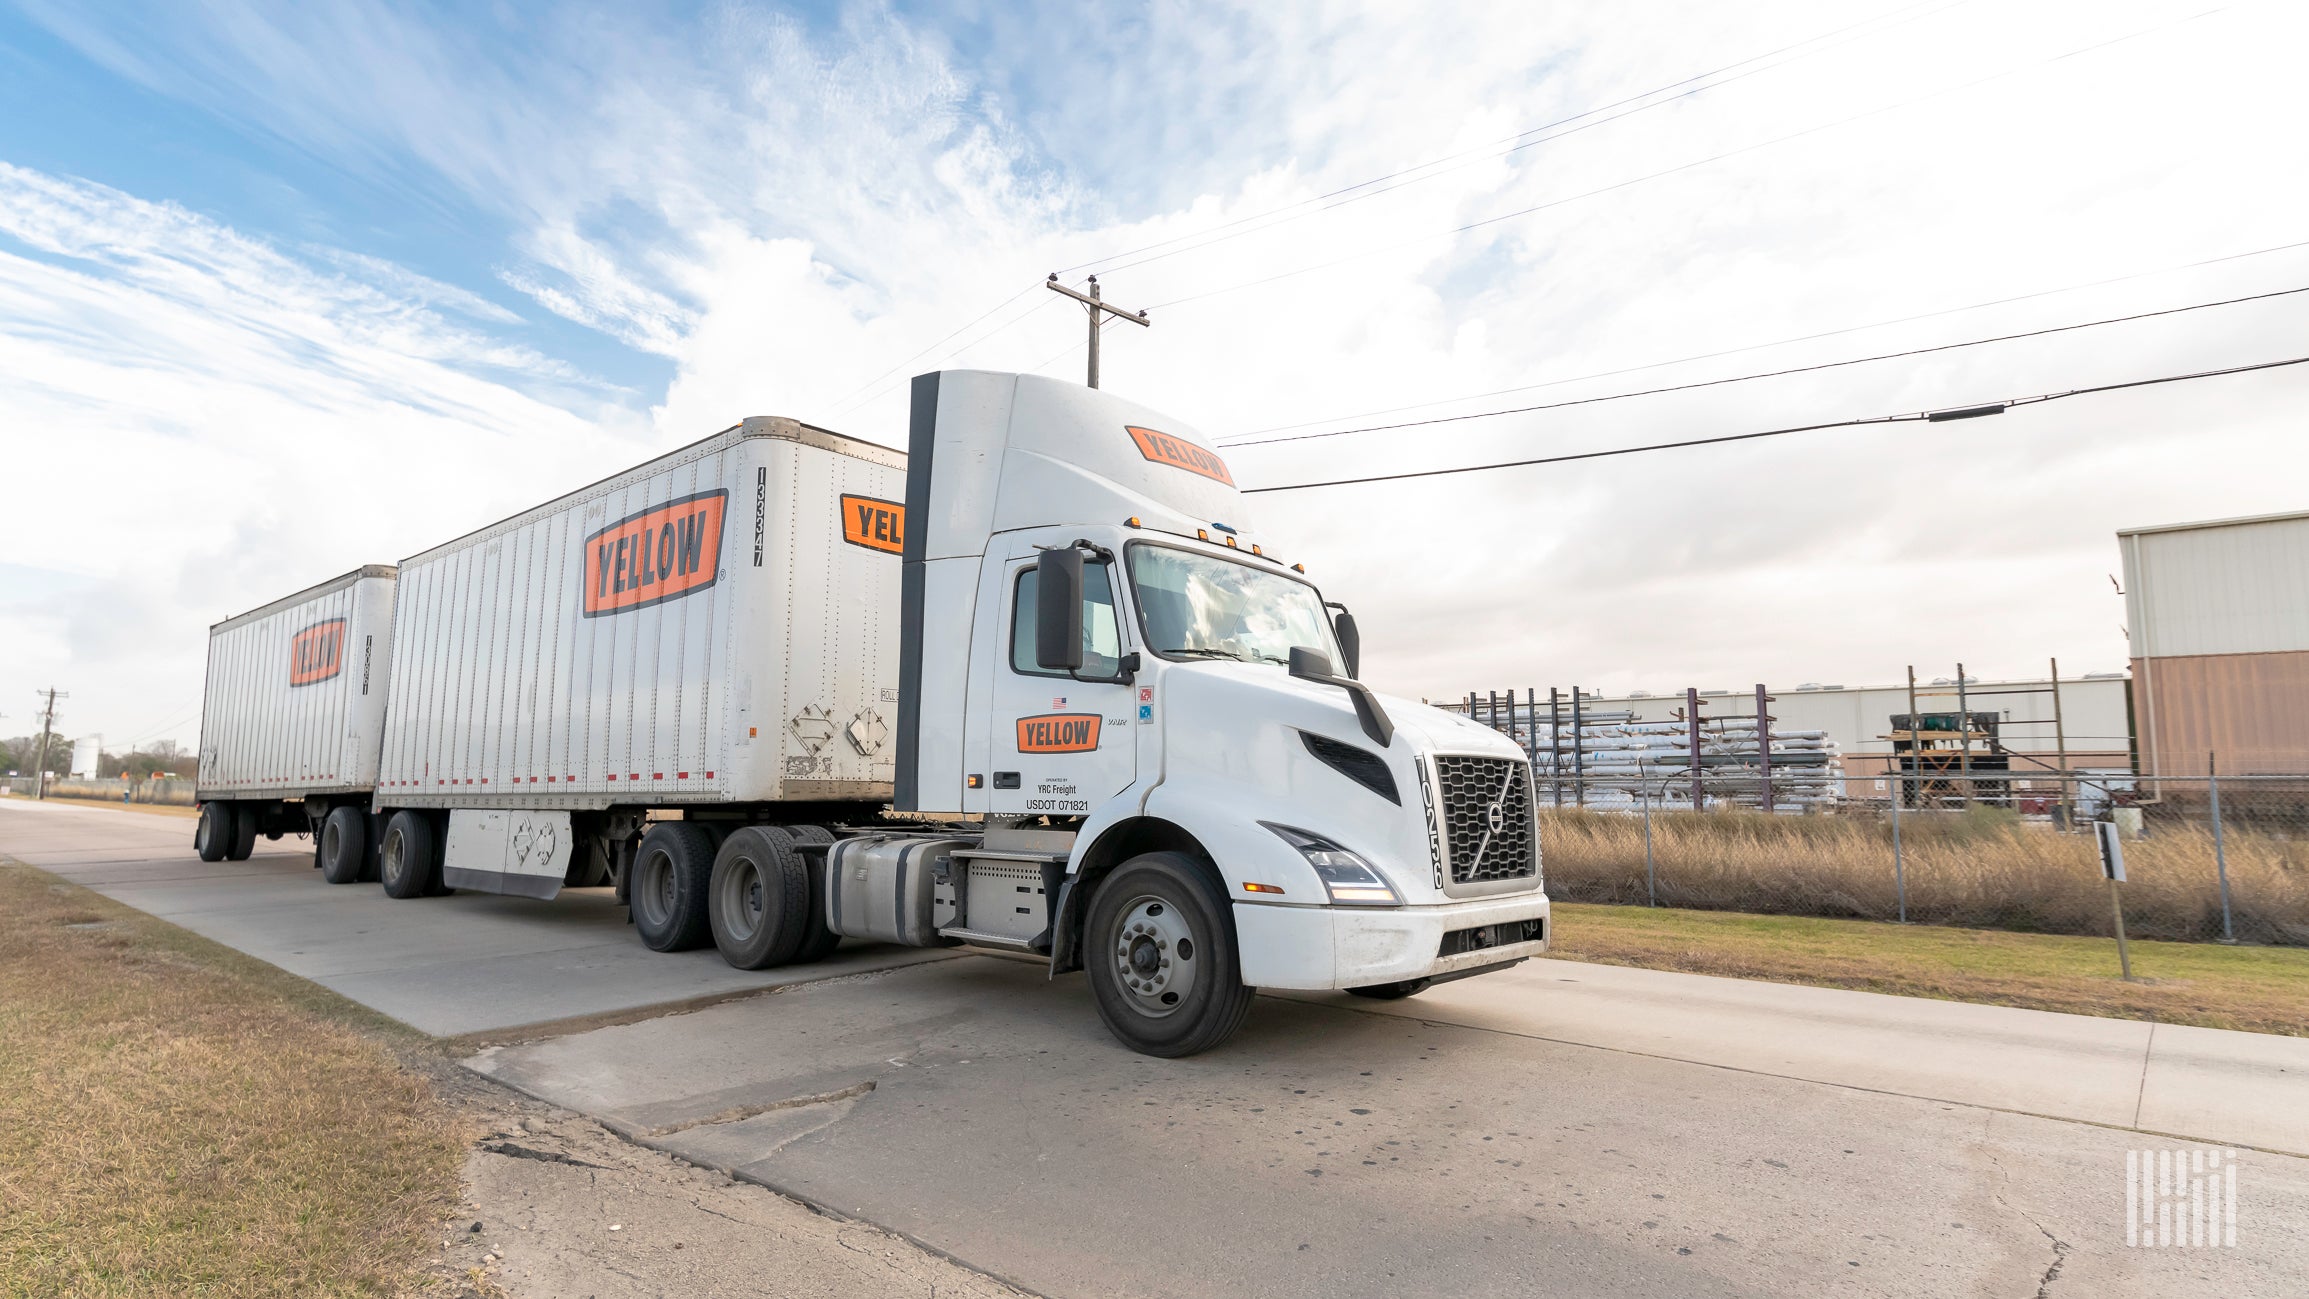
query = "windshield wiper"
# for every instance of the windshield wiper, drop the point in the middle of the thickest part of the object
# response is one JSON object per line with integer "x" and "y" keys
{"x": 1207, "y": 654}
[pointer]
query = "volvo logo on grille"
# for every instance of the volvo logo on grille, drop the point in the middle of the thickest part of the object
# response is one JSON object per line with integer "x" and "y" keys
{"x": 1495, "y": 816}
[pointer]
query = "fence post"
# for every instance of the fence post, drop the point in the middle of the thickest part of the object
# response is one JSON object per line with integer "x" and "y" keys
{"x": 1651, "y": 876}
{"x": 2220, "y": 855}
{"x": 1899, "y": 868}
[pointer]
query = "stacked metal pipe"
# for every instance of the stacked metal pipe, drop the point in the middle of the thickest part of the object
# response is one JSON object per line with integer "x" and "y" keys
{"x": 1611, "y": 761}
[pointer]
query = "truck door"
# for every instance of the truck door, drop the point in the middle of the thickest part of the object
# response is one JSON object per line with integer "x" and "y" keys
{"x": 1061, "y": 744}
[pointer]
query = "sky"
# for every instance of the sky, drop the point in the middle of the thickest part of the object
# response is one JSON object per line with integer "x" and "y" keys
{"x": 287, "y": 289}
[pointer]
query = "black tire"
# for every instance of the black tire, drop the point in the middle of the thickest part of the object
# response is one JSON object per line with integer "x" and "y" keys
{"x": 408, "y": 857}
{"x": 672, "y": 872}
{"x": 213, "y": 837}
{"x": 1392, "y": 991}
{"x": 343, "y": 845}
{"x": 589, "y": 865}
{"x": 760, "y": 898}
{"x": 818, "y": 939}
{"x": 1160, "y": 952}
{"x": 244, "y": 832}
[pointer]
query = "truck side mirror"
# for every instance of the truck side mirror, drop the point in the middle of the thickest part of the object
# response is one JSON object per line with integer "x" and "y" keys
{"x": 1313, "y": 664}
{"x": 1350, "y": 641}
{"x": 1058, "y": 609}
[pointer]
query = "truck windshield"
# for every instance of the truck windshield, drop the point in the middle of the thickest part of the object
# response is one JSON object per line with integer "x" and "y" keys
{"x": 1203, "y": 606}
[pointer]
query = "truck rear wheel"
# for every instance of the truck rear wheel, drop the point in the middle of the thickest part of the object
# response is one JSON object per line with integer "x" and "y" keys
{"x": 213, "y": 837}
{"x": 819, "y": 939}
{"x": 407, "y": 861}
{"x": 244, "y": 835}
{"x": 1160, "y": 952}
{"x": 761, "y": 898}
{"x": 671, "y": 875}
{"x": 344, "y": 844}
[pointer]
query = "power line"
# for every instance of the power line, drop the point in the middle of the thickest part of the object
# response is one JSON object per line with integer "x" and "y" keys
{"x": 1781, "y": 342}
{"x": 1667, "y": 171}
{"x": 843, "y": 401}
{"x": 1932, "y": 416}
{"x": 1467, "y": 157}
{"x": 861, "y": 396}
{"x": 1772, "y": 374}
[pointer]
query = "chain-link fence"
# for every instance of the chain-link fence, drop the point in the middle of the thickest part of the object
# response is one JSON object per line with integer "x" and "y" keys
{"x": 2205, "y": 859}
{"x": 110, "y": 789}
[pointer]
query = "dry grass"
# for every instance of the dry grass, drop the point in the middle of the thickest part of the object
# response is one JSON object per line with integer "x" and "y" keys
{"x": 1984, "y": 869}
{"x": 2261, "y": 989}
{"x": 178, "y": 1119}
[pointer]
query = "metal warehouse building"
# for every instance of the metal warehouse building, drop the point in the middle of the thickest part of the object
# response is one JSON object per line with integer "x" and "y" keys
{"x": 2218, "y": 613}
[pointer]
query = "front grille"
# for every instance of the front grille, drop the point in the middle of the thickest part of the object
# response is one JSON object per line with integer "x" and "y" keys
{"x": 1485, "y": 805}
{"x": 1483, "y": 936}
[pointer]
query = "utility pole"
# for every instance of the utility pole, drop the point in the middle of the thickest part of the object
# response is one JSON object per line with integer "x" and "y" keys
{"x": 1098, "y": 313}
{"x": 47, "y": 725}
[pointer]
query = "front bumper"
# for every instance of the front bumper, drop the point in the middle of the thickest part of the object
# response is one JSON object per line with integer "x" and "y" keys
{"x": 1354, "y": 947}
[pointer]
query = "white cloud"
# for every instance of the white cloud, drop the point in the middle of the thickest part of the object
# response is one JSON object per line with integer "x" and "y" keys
{"x": 788, "y": 211}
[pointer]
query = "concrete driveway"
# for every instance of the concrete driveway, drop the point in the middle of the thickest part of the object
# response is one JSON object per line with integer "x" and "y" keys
{"x": 1561, "y": 1129}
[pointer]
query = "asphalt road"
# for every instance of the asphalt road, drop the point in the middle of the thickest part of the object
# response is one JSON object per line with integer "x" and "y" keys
{"x": 1511, "y": 1135}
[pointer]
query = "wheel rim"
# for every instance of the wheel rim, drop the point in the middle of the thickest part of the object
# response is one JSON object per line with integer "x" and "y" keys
{"x": 330, "y": 840}
{"x": 394, "y": 854}
{"x": 655, "y": 894}
{"x": 1156, "y": 959}
{"x": 742, "y": 899}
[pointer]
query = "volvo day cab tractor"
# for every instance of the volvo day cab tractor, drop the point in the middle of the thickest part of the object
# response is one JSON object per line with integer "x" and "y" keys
{"x": 1036, "y": 684}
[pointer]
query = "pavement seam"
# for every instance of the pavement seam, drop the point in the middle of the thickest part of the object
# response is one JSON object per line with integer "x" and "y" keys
{"x": 629, "y": 1134}
{"x": 1816, "y": 1082}
{"x": 2148, "y": 1053}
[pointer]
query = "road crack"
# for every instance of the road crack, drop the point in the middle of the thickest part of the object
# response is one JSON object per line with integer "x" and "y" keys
{"x": 742, "y": 1112}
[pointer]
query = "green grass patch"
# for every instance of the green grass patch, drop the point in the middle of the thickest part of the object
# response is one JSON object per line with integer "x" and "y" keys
{"x": 2261, "y": 989}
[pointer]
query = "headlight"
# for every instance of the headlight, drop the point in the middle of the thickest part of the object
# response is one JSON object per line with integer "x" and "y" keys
{"x": 1349, "y": 879}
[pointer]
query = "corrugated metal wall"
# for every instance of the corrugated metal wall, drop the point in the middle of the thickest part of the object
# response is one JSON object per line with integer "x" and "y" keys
{"x": 2218, "y": 614}
{"x": 263, "y": 734}
{"x": 2221, "y": 588}
{"x": 532, "y": 673}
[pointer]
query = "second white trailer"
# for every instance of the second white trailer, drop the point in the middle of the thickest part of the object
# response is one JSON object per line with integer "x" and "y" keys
{"x": 292, "y": 715}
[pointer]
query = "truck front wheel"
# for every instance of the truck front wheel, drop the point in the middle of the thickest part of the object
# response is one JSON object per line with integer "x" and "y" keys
{"x": 1160, "y": 952}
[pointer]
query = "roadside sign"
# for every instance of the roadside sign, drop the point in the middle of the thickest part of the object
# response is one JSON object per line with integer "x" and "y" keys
{"x": 2112, "y": 850}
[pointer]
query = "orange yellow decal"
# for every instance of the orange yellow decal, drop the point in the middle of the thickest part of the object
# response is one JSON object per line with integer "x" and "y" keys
{"x": 1179, "y": 453}
{"x": 1058, "y": 733}
{"x": 873, "y": 523}
{"x": 660, "y": 554}
{"x": 317, "y": 653}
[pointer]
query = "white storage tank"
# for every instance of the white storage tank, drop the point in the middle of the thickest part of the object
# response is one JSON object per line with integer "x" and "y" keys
{"x": 295, "y": 696}
{"x": 718, "y": 625}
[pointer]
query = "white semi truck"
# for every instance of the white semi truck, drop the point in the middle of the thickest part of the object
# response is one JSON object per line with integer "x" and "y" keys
{"x": 1035, "y": 684}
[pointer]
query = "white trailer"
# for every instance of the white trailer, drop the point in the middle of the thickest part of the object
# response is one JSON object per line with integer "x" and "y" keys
{"x": 292, "y": 716}
{"x": 1036, "y": 684}
{"x": 713, "y": 631}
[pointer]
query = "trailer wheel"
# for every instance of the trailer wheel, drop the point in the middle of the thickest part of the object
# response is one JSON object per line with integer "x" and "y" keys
{"x": 819, "y": 939}
{"x": 1392, "y": 991}
{"x": 407, "y": 863}
{"x": 670, "y": 878}
{"x": 344, "y": 844}
{"x": 244, "y": 835}
{"x": 761, "y": 904}
{"x": 1160, "y": 951}
{"x": 213, "y": 837}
